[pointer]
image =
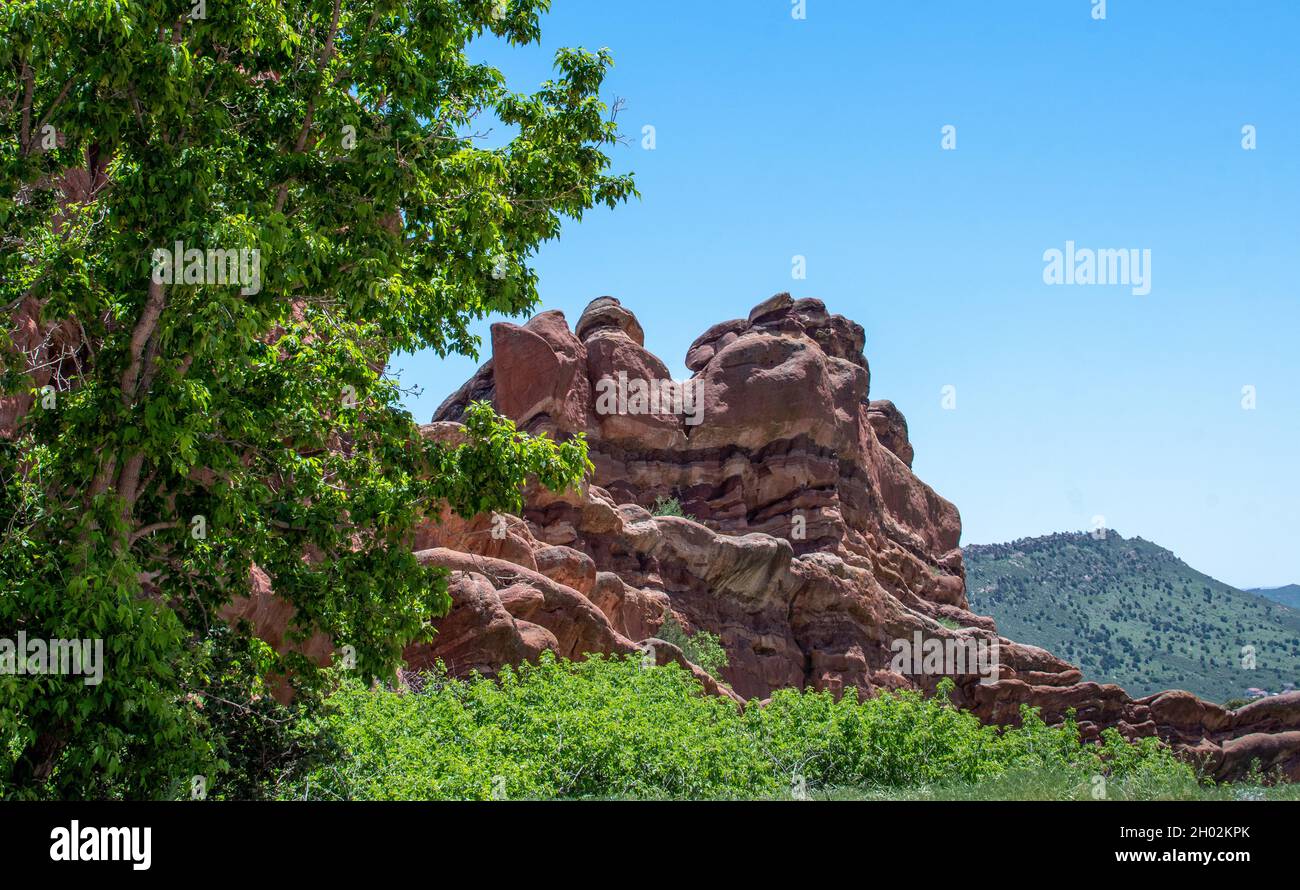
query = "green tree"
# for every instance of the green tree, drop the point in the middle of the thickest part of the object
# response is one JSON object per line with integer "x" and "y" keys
{"x": 200, "y": 424}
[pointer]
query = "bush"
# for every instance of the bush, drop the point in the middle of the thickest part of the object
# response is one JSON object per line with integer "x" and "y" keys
{"x": 245, "y": 741}
{"x": 701, "y": 648}
{"x": 669, "y": 507}
{"x": 611, "y": 727}
{"x": 556, "y": 729}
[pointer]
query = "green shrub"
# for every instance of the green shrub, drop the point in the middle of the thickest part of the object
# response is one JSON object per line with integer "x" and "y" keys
{"x": 701, "y": 648}
{"x": 611, "y": 727}
{"x": 669, "y": 507}
{"x": 556, "y": 729}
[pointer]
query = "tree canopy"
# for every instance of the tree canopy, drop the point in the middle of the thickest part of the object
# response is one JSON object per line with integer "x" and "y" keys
{"x": 220, "y": 220}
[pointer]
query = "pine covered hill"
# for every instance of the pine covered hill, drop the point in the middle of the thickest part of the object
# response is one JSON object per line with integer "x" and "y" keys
{"x": 1129, "y": 612}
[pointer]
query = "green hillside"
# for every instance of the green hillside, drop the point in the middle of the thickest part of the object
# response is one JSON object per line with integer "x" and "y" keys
{"x": 1287, "y": 596}
{"x": 1129, "y": 612}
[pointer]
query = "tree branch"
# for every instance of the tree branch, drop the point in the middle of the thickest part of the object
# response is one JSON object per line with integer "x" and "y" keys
{"x": 130, "y": 380}
{"x": 45, "y": 119}
{"x": 300, "y": 144}
{"x": 144, "y": 329}
{"x": 147, "y": 530}
{"x": 29, "y": 86}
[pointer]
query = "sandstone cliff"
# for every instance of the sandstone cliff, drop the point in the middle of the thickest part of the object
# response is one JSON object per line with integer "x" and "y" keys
{"x": 812, "y": 551}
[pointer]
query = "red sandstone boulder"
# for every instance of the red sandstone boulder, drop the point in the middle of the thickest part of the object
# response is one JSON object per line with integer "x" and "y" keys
{"x": 890, "y": 428}
{"x": 479, "y": 633}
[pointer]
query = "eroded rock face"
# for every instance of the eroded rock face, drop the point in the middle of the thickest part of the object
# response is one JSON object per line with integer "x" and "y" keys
{"x": 812, "y": 549}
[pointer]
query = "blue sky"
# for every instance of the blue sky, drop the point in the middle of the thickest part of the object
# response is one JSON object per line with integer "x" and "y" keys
{"x": 821, "y": 137}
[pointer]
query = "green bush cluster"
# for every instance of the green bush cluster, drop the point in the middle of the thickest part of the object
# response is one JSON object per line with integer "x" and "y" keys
{"x": 701, "y": 648}
{"x": 670, "y": 507}
{"x": 614, "y": 728}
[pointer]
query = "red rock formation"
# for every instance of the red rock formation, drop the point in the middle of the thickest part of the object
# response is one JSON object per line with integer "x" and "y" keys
{"x": 812, "y": 550}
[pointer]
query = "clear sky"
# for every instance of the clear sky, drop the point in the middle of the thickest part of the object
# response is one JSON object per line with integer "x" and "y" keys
{"x": 821, "y": 137}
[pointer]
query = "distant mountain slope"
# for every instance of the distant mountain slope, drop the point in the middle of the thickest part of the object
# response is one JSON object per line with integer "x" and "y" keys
{"x": 1287, "y": 596}
{"x": 1132, "y": 613}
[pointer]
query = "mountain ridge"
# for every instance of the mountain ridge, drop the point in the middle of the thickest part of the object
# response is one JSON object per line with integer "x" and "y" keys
{"x": 1131, "y": 612}
{"x": 1286, "y": 594}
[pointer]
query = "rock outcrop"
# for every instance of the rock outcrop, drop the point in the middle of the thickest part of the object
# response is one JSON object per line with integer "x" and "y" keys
{"x": 808, "y": 546}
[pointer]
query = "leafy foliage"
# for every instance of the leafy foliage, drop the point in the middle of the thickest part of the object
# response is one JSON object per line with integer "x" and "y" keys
{"x": 611, "y": 727}
{"x": 669, "y": 506}
{"x": 701, "y": 648}
{"x": 199, "y": 429}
